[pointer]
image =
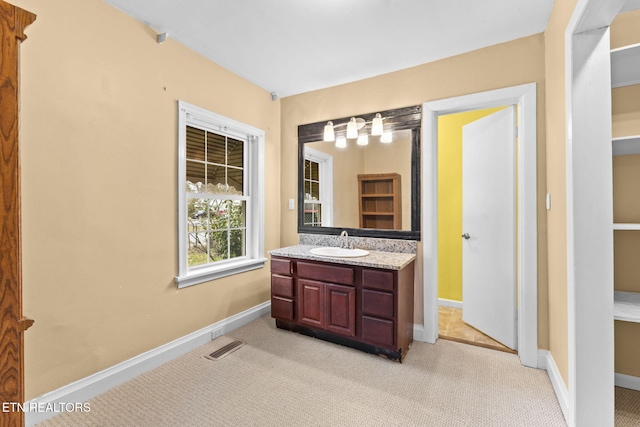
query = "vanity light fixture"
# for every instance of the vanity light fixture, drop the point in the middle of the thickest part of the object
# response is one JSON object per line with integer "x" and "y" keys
{"x": 329, "y": 134}
{"x": 376, "y": 125}
{"x": 354, "y": 125}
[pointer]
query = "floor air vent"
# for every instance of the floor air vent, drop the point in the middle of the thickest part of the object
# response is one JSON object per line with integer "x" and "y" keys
{"x": 227, "y": 349}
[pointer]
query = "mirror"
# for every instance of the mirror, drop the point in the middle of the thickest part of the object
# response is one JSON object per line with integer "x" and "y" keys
{"x": 370, "y": 190}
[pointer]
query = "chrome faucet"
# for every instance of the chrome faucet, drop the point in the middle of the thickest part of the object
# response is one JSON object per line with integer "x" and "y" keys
{"x": 345, "y": 242}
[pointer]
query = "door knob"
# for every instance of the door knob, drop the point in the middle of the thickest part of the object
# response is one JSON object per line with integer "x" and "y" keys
{"x": 466, "y": 236}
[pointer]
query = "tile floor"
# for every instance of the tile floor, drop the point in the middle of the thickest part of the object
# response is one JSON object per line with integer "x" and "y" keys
{"x": 451, "y": 327}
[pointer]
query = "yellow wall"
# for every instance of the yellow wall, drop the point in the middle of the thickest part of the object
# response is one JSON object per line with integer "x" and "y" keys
{"x": 99, "y": 189}
{"x": 450, "y": 201}
{"x": 625, "y": 30}
{"x": 503, "y": 65}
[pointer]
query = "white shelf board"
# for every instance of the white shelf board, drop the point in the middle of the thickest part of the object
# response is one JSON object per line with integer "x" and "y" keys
{"x": 625, "y": 66}
{"x": 626, "y": 145}
{"x": 626, "y": 226}
{"x": 626, "y": 306}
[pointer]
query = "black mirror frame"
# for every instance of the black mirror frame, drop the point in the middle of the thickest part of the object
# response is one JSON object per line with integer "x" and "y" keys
{"x": 397, "y": 119}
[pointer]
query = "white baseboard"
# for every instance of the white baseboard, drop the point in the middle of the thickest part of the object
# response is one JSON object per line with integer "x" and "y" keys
{"x": 627, "y": 381}
{"x": 418, "y": 332}
{"x": 449, "y": 303}
{"x": 86, "y": 388}
{"x": 545, "y": 361}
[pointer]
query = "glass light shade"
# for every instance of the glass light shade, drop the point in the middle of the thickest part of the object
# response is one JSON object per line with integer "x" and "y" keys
{"x": 386, "y": 138}
{"x": 376, "y": 125}
{"x": 352, "y": 128}
{"x": 329, "y": 134}
{"x": 341, "y": 142}
{"x": 363, "y": 139}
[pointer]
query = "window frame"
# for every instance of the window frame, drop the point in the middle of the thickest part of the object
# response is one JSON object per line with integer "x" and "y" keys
{"x": 191, "y": 115}
{"x": 325, "y": 170}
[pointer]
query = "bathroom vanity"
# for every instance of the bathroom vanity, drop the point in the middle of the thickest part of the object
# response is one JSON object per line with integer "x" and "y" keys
{"x": 362, "y": 302}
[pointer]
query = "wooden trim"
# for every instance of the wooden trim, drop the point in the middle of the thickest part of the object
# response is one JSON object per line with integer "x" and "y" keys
{"x": 22, "y": 20}
{"x": 13, "y": 22}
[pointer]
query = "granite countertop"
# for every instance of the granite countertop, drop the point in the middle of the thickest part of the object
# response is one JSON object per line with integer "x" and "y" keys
{"x": 375, "y": 259}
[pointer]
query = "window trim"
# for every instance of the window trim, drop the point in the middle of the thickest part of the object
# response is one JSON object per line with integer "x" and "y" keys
{"x": 195, "y": 116}
{"x": 325, "y": 165}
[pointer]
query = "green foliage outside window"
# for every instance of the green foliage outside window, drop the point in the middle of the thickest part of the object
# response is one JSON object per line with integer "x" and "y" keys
{"x": 216, "y": 230}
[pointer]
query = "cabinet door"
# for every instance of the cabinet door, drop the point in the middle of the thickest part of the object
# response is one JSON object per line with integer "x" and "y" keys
{"x": 341, "y": 309}
{"x": 311, "y": 303}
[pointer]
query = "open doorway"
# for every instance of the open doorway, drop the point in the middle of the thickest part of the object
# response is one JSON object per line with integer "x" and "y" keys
{"x": 477, "y": 228}
{"x": 524, "y": 96}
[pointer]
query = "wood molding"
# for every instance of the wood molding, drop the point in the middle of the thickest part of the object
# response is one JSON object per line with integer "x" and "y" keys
{"x": 13, "y": 22}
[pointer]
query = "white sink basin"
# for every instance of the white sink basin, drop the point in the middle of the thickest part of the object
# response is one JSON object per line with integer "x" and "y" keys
{"x": 339, "y": 252}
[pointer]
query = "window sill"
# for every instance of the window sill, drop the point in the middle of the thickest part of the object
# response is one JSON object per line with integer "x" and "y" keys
{"x": 213, "y": 273}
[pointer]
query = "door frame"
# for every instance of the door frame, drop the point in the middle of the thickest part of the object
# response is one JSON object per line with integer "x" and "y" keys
{"x": 589, "y": 219}
{"x": 524, "y": 96}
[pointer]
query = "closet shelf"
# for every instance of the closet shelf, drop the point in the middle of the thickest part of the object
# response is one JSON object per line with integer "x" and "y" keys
{"x": 625, "y": 66}
{"x": 626, "y": 226}
{"x": 625, "y": 145}
{"x": 626, "y": 306}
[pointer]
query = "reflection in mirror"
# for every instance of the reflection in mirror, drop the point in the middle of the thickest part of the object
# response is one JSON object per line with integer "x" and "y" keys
{"x": 353, "y": 204}
{"x": 368, "y": 185}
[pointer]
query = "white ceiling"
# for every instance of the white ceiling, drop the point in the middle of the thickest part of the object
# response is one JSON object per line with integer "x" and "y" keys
{"x": 295, "y": 46}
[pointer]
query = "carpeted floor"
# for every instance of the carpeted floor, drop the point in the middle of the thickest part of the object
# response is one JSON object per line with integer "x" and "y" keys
{"x": 280, "y": 378}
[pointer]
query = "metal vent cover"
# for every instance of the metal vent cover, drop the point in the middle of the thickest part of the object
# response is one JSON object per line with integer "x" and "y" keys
{"x": 227, "y": 349}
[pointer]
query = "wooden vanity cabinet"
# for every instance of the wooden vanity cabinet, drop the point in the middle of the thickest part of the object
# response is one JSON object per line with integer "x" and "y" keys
{"x": 361, "y": 307}
{"x": 282, "y": 289}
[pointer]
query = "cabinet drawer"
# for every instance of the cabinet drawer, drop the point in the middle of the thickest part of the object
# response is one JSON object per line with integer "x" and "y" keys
{"x": 378, "y": 304}
{"x": 281, "y": 308}
{"x": 325, "y": 273}
{"x": 282, "y": 286}
{"x": 378, "y": 331}
{"x": 376, "y": 279}
{"x": 281, "y": 266}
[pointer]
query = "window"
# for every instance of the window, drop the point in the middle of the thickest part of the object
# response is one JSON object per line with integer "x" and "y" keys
{"x": 312, "y": 202}
{"x": 318, "y": 188}
{"x": 220, "y": 192}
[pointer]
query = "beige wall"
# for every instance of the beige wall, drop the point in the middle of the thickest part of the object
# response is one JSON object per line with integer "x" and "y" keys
{"x": 347, "y": 164}
{"x": 625, "y": 30}
{"x": 508, "y": 64}
{"x": 352, "y": 160}
{"x": 556, "y": 183}
{"x": 98, "y": 149}
{"x": 99, "y": 164}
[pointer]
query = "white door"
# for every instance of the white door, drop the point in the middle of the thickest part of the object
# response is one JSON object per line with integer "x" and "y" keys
{"x": 489, "y": 226}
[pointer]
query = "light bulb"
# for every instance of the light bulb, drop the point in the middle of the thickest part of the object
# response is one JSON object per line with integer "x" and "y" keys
{"x": 329, "y": 135}
{"x": 341, "y": 142}
{"x": 386, "y": 138}
{"x": 363, "y": 139}
{"x": 352, "y": 128}
{"x": 376, "y": 125}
